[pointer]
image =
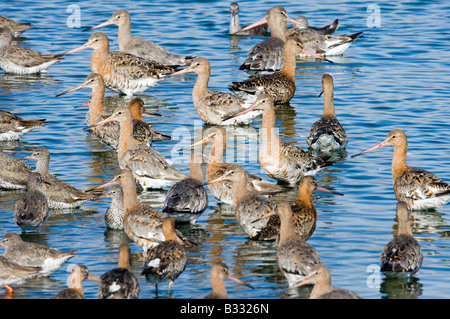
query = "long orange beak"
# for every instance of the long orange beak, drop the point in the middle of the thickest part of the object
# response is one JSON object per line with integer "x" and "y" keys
{"x": 299, "y": 24}
{"x": 239, "y": 281}
{"x": 219, "y": 179}
{"x": 106, "y": 195}
{"x": 184, "y": 71}
{"x": 110, "y": 183}
{"x": 272, "y": 213}
{"x": 151, "y": 113}
{"x": 315, "y": 55}
{"x": 84, "y": 46}
{"x": 79, "y": 87}
{"x": 203, "y": 141}
{"x": 85, "y": 104}
{"x": 91, "y": 277}
{"x": 107, "y": 120}
{"x": 251, "y": 26}
{"x": 384, "y": 143}
{"x": 251, "y": 108}
{"x": 104, "y": 24}
{"x": 304, "y": 281}
{"x": 323, "y": 189}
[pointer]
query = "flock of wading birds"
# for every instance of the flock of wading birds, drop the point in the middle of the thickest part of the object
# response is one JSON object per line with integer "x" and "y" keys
{"x": 140, "y": 64}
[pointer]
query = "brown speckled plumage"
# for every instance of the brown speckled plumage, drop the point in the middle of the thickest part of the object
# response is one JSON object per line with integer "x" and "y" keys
{"x": 142, "y": 131}
{"x": 296, "y": 258}
{"x": 16, "y": 28}
{"x": 268, "y": 54}
{"x": 215, "y": 107}
{"x": 249, "y": 207}
{"x": 302, "y": 23}
{"x": 29, "y": 254}
{"x": 280, "y": 85}
{"x": 280, "y": 160}
{"x": 215, "y": 168}
{"x": 122, "y": 72}
{"x": 21, "y": 60}
{"x": 327, "y": 134}
{"x": 120, "y": 282}
{"x": 304, "y": 214}
{"x": 13, "y": 127}
{"x": 403, "y": 253}
{"x": 59, "y": 194}
{"x": 31, "y": 210}
{"x": 168, "y": 260}
{"x": 142, "y": 223}
{"x": 418, "y": 188}
{"x": 14, "y": 172}
{"x": 149, "y": 167}
{"x": 142, "y": 48}
{"x": 322, "y": 41}
{"x": 12, "y": 273}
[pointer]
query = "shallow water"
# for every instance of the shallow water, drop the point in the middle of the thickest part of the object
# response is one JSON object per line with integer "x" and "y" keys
{"x": 396, "y": 76}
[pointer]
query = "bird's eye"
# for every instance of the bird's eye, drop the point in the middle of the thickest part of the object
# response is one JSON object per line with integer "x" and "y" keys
{"x": 393, "y": 136}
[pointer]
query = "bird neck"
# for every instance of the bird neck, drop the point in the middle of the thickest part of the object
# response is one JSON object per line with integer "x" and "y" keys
{"x": 124, "y": 261}
{"x": 320, "y": 288}
{"x": 235, "y": 23}
{"x": 304, "y": 197}
{"x": 328, "y": 102}
{"x": 195, "y": 168}
{"x": 270, "y": 144}
{"x": 404, "y": 225}
{"x": 97, "y": 58}
{"x": 130, "y": 198}
{"x": 217, "y": 151}
{"x": 240, "y": 190}
{"x": 169, "y": 234}
{"x": 290, "y": 62}
{"x": 201, "y": 86}
{"x": 278, "y": 31}
{"x": 96, "y": 106}
{"x": 124, "y": 36}
{"x": 126, "y": 138}
{"x": 219, "y": 291}
{"x": 42, "y": 165}
{"x": 76, "y": 282}
{"x": 136, "y": 115}
{"x": 287, "y": 228}
{"x": 399, "y": 161}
